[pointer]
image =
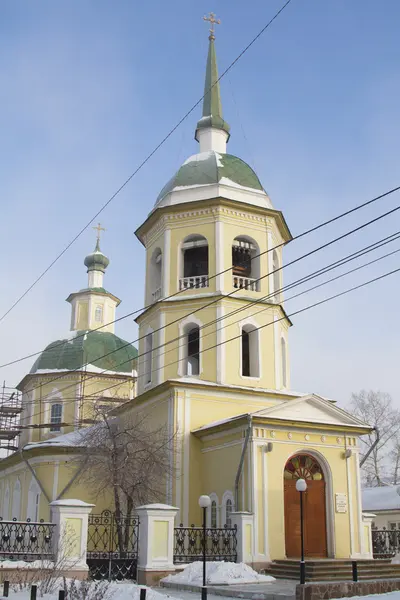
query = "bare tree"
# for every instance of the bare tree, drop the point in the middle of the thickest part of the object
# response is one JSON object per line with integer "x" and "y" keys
{"x": 376, "y": 409}
{"x": 124, "y": 454}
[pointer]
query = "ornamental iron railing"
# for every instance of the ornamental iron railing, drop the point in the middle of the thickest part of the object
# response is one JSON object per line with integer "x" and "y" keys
{"x": 112, "y": 547}
{"x": 26, "y": 540}
{"x": 221, "y": 544}
{"x": 385, "y": 542}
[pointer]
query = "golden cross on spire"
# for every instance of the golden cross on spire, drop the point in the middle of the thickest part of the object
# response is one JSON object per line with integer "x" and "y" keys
{"x": 213, "y": 21}
{"x": 99, "y": 228}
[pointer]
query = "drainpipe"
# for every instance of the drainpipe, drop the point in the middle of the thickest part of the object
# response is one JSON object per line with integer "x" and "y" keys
{"x": 374, "y": 445}
{"x": 34, "y": 475}
{"x": 241, "y": 462}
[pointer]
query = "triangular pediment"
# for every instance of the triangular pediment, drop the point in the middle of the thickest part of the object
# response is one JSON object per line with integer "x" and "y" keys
{"x": 312, "y": 409}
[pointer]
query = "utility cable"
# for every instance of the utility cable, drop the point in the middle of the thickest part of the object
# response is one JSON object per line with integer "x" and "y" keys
{"x": 148, "y": 157}
{"x": 317, "y": 273}
{"x": 300, "y": 311}
{"x": 294, "y": 261}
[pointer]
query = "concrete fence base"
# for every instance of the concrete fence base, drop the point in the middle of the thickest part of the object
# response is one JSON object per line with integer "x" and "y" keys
{"x": 345, "y": 589}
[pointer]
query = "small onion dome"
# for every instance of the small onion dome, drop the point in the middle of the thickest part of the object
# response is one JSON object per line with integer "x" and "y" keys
{"x": 96, "y": 261}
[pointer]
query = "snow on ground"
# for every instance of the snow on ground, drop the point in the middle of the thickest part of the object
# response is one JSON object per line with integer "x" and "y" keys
{"x": 218, "y": 573}
{"x": 115, "y": 591}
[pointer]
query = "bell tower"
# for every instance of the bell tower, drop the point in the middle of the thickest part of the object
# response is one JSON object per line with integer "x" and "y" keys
{"x": 213, "y": 256}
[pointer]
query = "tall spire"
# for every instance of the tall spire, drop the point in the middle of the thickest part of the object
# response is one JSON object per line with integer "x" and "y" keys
{"x": 212, "y": 131}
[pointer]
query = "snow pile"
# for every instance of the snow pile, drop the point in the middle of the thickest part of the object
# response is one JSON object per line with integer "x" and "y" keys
{"x": 21, "y": 564}
{"x": 218, "y": 573}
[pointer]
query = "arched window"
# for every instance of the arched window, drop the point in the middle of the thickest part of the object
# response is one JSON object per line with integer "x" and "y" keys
{"x": 98, "y": 314}
{"x": 276, "y": 275}
{"x": 16, "y": 501}
{"x": 193, "y": 351}
{"x": 283, "y": 357}
{"x": 156, "y": 274}
{"x": 303, "y": 466}
{"x": 214, "y": 514}
{"x": 148, "y": 357}
{"x": 33, "y": 501}
{"x": 55, "y": 417}
{"x": 250, "y": 351}
{"x": 245, "y": 264}
{"x": 194, "y": 263}
{"x": 6, "y": 504}
{"x": 228, "y": 512}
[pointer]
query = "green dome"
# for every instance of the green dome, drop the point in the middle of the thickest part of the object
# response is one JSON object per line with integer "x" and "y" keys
{"x": 96, "y": 261}
{"x": 209, "y": 168}
{"x": 84, "y": 350}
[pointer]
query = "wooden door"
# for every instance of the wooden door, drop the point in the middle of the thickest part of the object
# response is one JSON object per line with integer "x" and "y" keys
{"x": 315, "y": 540}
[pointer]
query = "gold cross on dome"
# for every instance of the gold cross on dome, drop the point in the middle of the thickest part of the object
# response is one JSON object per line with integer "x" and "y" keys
{"x": 99, "y": 229}
{"x": 213, "y": 21}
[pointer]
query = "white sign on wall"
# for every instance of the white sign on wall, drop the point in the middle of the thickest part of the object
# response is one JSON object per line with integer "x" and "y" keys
{"x": 341, "y": 503}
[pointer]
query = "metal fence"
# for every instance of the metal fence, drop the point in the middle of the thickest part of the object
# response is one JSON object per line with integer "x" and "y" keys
{"x": 385, "y": 542}
{"x": 26, "y": 540}
{"x": 112, "y": 547}
{"x": 221, "y": 544}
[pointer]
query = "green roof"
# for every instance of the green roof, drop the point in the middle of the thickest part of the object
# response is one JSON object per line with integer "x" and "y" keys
{"x": 209, "y": 168}
{"x": 212, "y": 106}
{"x": 100, "y": 349}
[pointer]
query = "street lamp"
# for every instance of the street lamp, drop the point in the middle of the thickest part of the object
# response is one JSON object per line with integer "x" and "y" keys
{"x": 301, "y": 486}
{"x": 204, "y": 503}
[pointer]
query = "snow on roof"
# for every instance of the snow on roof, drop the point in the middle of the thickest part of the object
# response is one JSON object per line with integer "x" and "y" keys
{"x": 74, "y": 439}
{"x": 381, "y": 498}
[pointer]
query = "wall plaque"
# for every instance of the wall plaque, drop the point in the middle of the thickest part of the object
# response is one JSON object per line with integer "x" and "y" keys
{"x": 341, "y": 503}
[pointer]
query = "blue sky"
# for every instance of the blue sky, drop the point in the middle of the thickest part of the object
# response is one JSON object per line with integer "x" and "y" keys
{"x": 89, "y": 88}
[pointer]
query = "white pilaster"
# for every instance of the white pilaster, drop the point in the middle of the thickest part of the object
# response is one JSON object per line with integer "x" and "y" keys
{"x": 219, "y": 256}
{"x": 165, "y": 264}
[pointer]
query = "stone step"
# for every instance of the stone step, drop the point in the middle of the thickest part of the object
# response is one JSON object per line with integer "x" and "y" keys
{"x": 334, "y": 570}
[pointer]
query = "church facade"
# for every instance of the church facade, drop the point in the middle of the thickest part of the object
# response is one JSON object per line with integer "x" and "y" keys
{"x": 213, "y": 365}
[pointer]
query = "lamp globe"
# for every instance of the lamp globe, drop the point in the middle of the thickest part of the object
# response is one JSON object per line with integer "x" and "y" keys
{"x": 204, "y": 501}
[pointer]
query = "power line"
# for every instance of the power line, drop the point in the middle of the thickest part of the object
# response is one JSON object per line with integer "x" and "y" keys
{"x": 294, "y": 261}
{"x": 300, "y": 311}
{"x": 148, "y": 157}
{"x": 334, "y": 265}
{"x": 132, "y": 313}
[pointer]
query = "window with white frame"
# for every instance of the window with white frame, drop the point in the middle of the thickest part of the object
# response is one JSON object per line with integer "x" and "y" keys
{"x": 148, "y": 357}
{"x": 276, "y": 274}
{"x": 16, "y": 501}
{"x": 214, "y": 509}
{"x": 228, "y": 512}
{"x": 192, "y": 350}
{"x": 55, "y": 417}
{"x": 245, "y": 263}
{"x": 98, "y": 314}
{"x": 155, "y": 273}
{"x": 250, "y": 351}
{"x": 284, "y": 365}
{"x": 194, "y": 262}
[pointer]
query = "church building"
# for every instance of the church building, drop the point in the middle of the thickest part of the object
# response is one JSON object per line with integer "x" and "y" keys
{"x": 213, "y": 365}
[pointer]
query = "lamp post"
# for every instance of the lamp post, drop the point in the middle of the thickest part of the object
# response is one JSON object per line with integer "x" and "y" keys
{"x": 204, "y": 503}
{"x": 301, "y": 487}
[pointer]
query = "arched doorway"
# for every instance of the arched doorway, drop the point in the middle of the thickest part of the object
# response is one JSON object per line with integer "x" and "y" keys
{"x": 305, "y": 466}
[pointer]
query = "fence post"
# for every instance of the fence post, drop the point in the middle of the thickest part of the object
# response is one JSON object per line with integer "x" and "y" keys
{"x": 156, "y": 542}
{"x": 6, "y": 589}
{"x": 244, "y": 522}
{"x": 366, "y": 539}
{"x": 70, "y": 540}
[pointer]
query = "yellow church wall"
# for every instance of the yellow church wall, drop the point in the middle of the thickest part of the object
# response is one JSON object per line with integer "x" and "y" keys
{"x": 83, "y": 313}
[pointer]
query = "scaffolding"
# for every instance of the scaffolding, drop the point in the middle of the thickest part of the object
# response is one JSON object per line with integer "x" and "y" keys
{"x": 10, "y": 413}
